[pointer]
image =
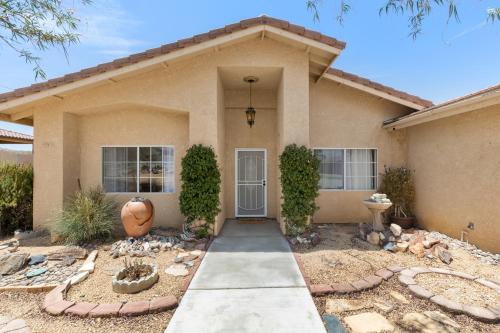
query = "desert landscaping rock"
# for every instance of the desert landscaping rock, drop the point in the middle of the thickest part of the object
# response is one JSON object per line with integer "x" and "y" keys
{"x": 383, "y": 306}
{"x": 344, "y": 305}
{"x": 384, "y": 273}
{"x": 428, "y": 322}
{"x": 333, "y": 324}
{"x": 177, "y": 270}
{"x": 78, "y": 277}
{"x": 399, "y": 297}
{"x": 373, "y": 238}
{"x": 447, "y": 304}
{"x": 368, "y": 322}
{"x": 406, "y": 280}
{"x": 395, "y": 229}
{"x": 69, "y": 251}
{"x": 37, "y": 259}
{"x": 420, "y": 291}
{"x": 480, "y": 313}
{"x": 11, "y": 325}
{"x": 12, "y": 263}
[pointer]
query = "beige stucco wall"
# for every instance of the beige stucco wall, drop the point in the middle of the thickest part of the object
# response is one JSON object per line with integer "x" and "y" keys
{"x": 134, "y": 127}
{"x": 343, "y": 117}
{"x": 80, "y": 121}
{"x": 261, "y": 135}
{"x": 457, "y": 175}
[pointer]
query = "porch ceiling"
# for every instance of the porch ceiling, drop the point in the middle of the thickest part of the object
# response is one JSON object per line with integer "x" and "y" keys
{"x": 232, "y": 77}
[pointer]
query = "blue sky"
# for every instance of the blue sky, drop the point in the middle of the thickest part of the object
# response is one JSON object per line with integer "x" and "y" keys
{"x": 446, "y": 61}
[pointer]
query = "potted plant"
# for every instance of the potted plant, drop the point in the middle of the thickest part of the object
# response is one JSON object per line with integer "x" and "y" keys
{"x": 398, "y": 184}
{"x": 135, "y": 277}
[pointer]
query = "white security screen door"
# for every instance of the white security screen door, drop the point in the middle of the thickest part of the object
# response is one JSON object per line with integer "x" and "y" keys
{"x": 250, "y": 183}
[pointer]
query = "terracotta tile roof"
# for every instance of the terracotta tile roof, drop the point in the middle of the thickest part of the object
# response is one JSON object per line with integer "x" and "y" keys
{"x": 14, "y": 137}
{"x": 480, "y": 93}
{"x": 167, "y": 48}
{"x": 377, "y": 86}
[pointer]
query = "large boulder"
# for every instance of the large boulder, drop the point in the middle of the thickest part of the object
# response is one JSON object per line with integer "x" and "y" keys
{"x": 12, "y": 262}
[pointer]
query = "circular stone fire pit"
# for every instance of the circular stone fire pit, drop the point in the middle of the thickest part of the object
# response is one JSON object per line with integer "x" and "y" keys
{"x": 123, "y": 286}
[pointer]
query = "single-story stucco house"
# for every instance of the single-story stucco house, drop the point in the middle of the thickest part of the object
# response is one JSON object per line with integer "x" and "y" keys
{"x": 126, "y": 125}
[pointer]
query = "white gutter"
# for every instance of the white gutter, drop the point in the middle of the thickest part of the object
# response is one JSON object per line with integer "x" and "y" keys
{"x": 447, "y": 110}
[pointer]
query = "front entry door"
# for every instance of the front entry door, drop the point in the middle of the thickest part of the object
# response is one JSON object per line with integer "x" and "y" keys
{"x": 251, "y": 194}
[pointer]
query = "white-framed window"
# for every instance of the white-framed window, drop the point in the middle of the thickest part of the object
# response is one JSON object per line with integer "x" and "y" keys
{"x": 347, "y": 169}
{"x": 138, "y": 169}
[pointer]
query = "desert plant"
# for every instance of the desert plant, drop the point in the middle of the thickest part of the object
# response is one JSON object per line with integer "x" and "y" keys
{"x": 87, "y": 215}
{"x": 16, "y": 197}
{"x": 299, "y": 185}
{"x": 200, "y": 176}
{"x": 134, "y": 270}
{"x": 397, "y": 183}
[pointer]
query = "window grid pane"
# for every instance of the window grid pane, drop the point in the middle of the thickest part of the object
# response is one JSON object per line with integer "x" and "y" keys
{"x": 121, "y": 167}
{"x": 347, "y": 169}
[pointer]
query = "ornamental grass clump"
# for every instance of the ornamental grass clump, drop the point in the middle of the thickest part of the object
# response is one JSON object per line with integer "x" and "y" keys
{"x": 397, "y": 184}
{"x": 299, "y": 185}
{"x": 16, "y": 197}
{"x": 87, "y": 216}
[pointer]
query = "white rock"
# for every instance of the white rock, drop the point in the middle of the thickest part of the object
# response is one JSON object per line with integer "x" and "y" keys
{"x": 396, "y": 229}
{"x": 195, "y": 252}
{"x": 77, "y": 278}
{"x": 87, "y": 267}
{"x": 342, "y": 305}
{"x": 177, "y": 270}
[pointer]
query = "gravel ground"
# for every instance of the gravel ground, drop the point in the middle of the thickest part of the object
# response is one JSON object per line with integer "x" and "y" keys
{"x": 97, "y": 287}
{"x": 27, "y": 306}
{"x": 415, "y": 305}
{"x": 458, "y": 289}
{"x": 341, "y": 257}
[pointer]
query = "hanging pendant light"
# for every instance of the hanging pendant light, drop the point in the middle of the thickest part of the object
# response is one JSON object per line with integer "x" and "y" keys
{"x": 250, "y": 111}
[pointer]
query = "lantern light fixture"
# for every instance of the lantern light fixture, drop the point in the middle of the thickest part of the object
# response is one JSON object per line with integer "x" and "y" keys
{"x": 250, "y": 111}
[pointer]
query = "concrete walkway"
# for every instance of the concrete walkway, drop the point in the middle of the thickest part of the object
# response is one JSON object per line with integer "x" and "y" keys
{"x": 248, "y": 282}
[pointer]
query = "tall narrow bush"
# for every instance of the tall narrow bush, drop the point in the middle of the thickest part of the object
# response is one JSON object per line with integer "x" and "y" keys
{"x": 299, "y": 185}
{"x": 398, "y": 184}
{"x": 200, "y": 176}
{"x": 87, "y": 216}
{"x": 16, "y": 197}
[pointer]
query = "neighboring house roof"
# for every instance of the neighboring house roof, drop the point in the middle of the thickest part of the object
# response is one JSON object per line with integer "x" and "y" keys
{"x": 397, "y": 94}
{"x": 7, "y": 136}
{"x": 477, "y": 100}
{"x": 168, "y": 48}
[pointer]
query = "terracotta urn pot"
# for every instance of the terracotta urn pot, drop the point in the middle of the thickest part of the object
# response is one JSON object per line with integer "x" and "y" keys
{"x": 137, "y": 217}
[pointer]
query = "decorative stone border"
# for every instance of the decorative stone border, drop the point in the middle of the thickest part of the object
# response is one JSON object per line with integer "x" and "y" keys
{"x": 55, "y": 303}
{"x": 491, "y": 314}
{"x": 367, "y": 282}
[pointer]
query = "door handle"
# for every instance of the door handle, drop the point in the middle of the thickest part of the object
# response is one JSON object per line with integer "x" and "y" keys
{"x": 263, "y": 182}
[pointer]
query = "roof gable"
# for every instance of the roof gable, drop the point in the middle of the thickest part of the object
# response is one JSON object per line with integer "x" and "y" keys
{"x": 153, "y": 56}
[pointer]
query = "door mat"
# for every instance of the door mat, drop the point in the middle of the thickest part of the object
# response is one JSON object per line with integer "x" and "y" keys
{"x": 251, "y": 221}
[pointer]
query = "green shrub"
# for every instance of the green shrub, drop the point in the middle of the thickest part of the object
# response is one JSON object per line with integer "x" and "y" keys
{"x": 200, "y": 176}
{"x": 299, "y": 185}
{"x": 16, "y": 197}
{"x": 397, "y": 183}
{"x": 87, "y": 215}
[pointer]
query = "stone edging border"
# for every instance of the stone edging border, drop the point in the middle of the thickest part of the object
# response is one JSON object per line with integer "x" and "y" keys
{"x": 83, "y": 272}
{"x": 56, "y": 304}
{"x": 489, "y": 314}
{"x": 367, "y": 282}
